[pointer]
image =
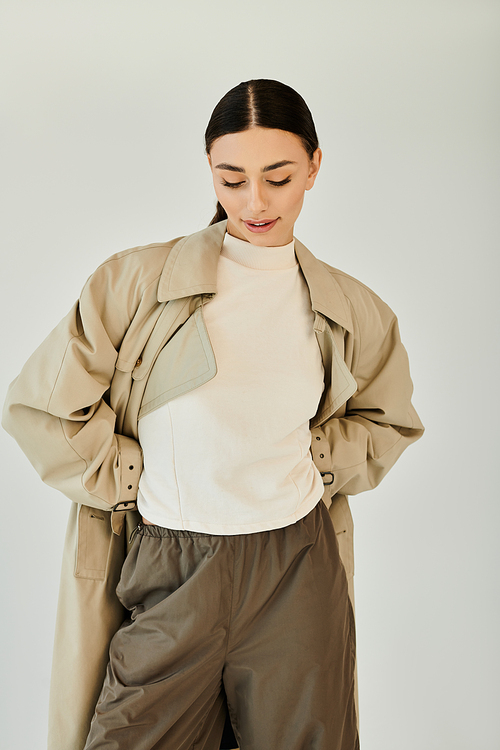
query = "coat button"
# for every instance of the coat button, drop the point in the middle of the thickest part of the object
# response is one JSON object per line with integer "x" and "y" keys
{"x": 321, "y": 455}
{"x": 318, "y": 438}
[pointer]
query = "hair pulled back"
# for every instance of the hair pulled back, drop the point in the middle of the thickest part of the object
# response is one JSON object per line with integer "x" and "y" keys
{"x": 260, "y": 103}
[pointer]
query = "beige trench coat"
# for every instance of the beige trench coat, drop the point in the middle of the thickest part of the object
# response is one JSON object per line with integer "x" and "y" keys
{"x": 136, "y": 339}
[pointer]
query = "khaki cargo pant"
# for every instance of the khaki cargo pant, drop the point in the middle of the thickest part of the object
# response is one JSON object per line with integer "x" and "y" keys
{"x": 261, "y": 619}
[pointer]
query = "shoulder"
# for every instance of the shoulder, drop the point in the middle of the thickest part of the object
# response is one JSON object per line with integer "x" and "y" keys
{"x": 354, "y": 289}
{"x": 125, "y": 286}
{"x": 141, "y": 265}
{"x": 128, "y": 275}
{"x": 367, "y": 307}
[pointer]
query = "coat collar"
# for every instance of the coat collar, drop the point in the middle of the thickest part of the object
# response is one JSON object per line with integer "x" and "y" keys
{"x": 191, "y": 268}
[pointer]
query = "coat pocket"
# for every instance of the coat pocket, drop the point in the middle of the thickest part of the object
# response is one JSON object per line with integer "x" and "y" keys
{"x": 94, "y": 539}
{"x": 340, "y": 514}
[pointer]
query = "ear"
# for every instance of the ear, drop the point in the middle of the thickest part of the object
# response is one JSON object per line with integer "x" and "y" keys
{"x": 209, "y": 161}
{"x": 314, "y": 166}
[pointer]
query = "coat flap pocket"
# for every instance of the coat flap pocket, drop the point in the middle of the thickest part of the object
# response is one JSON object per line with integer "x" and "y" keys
{"x": 94, "y": 538}
{"x": 340, "y": 513}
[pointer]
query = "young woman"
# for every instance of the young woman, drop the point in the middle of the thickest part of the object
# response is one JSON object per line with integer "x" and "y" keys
{"x": 208, "y": 404}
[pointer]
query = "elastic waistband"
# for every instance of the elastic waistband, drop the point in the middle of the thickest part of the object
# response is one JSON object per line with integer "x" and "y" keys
{"x": 161, "y": 532}
{"x": 147, "y": 529}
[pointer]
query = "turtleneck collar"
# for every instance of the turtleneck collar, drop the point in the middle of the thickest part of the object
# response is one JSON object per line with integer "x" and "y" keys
{"x": 258, "y": 256}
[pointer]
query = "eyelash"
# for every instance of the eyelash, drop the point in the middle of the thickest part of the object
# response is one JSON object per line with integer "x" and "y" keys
{"x": 238, "y": 184}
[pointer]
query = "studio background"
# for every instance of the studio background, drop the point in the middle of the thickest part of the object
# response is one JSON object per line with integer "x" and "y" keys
{"x": 103, "y": 110}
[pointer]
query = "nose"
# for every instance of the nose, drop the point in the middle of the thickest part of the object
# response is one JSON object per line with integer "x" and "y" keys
{"x": 257, "y": 200}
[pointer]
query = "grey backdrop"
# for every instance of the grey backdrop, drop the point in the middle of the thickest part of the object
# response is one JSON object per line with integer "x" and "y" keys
{"x": 104, "y": 106}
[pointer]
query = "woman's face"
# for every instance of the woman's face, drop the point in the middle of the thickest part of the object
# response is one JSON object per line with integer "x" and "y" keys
{"x": 260, "y": 177}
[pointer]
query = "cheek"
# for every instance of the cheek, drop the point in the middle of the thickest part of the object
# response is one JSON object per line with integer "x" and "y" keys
{"x": 296, "y": 198}
{"x": 227, "y": 200}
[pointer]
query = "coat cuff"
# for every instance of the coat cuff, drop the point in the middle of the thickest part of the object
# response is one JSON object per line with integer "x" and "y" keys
{"x": 130, "y": 461}
{"x": 321, "y": 453}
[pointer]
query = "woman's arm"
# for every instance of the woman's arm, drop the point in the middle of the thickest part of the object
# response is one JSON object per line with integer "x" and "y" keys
{"x": 56, "y": 408}
{"x": 379, "y": 421}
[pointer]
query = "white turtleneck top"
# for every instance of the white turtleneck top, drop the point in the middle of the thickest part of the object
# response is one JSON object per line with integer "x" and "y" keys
{"x": 232, "y": 456}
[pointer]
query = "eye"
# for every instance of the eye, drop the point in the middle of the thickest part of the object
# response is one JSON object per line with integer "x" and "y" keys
{"x": 278, "y": 184}
{"x": 231, "y": 184}
{"x": 270, "y": 182}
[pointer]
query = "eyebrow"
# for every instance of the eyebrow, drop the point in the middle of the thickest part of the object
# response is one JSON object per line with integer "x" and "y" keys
{"x": 232, "y": 168}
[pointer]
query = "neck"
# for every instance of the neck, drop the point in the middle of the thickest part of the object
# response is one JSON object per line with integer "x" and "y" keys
{"x": 259, "y": 256}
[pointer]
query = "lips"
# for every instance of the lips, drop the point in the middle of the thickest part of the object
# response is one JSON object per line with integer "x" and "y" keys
{"x": 261, "y": 225}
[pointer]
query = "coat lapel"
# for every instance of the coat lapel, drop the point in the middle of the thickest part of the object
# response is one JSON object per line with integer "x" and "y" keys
{"x": 191, "y": 270}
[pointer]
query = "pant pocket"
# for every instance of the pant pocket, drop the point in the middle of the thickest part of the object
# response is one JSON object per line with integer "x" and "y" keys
{"x": 157, "y": 567}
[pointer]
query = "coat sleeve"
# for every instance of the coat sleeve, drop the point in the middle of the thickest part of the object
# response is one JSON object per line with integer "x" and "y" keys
{"x": 56, "y": 408}
{"x": 379, "y": 421}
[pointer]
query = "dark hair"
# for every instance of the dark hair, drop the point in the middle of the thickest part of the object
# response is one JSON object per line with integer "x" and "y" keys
{"x": 261, "y": 103}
